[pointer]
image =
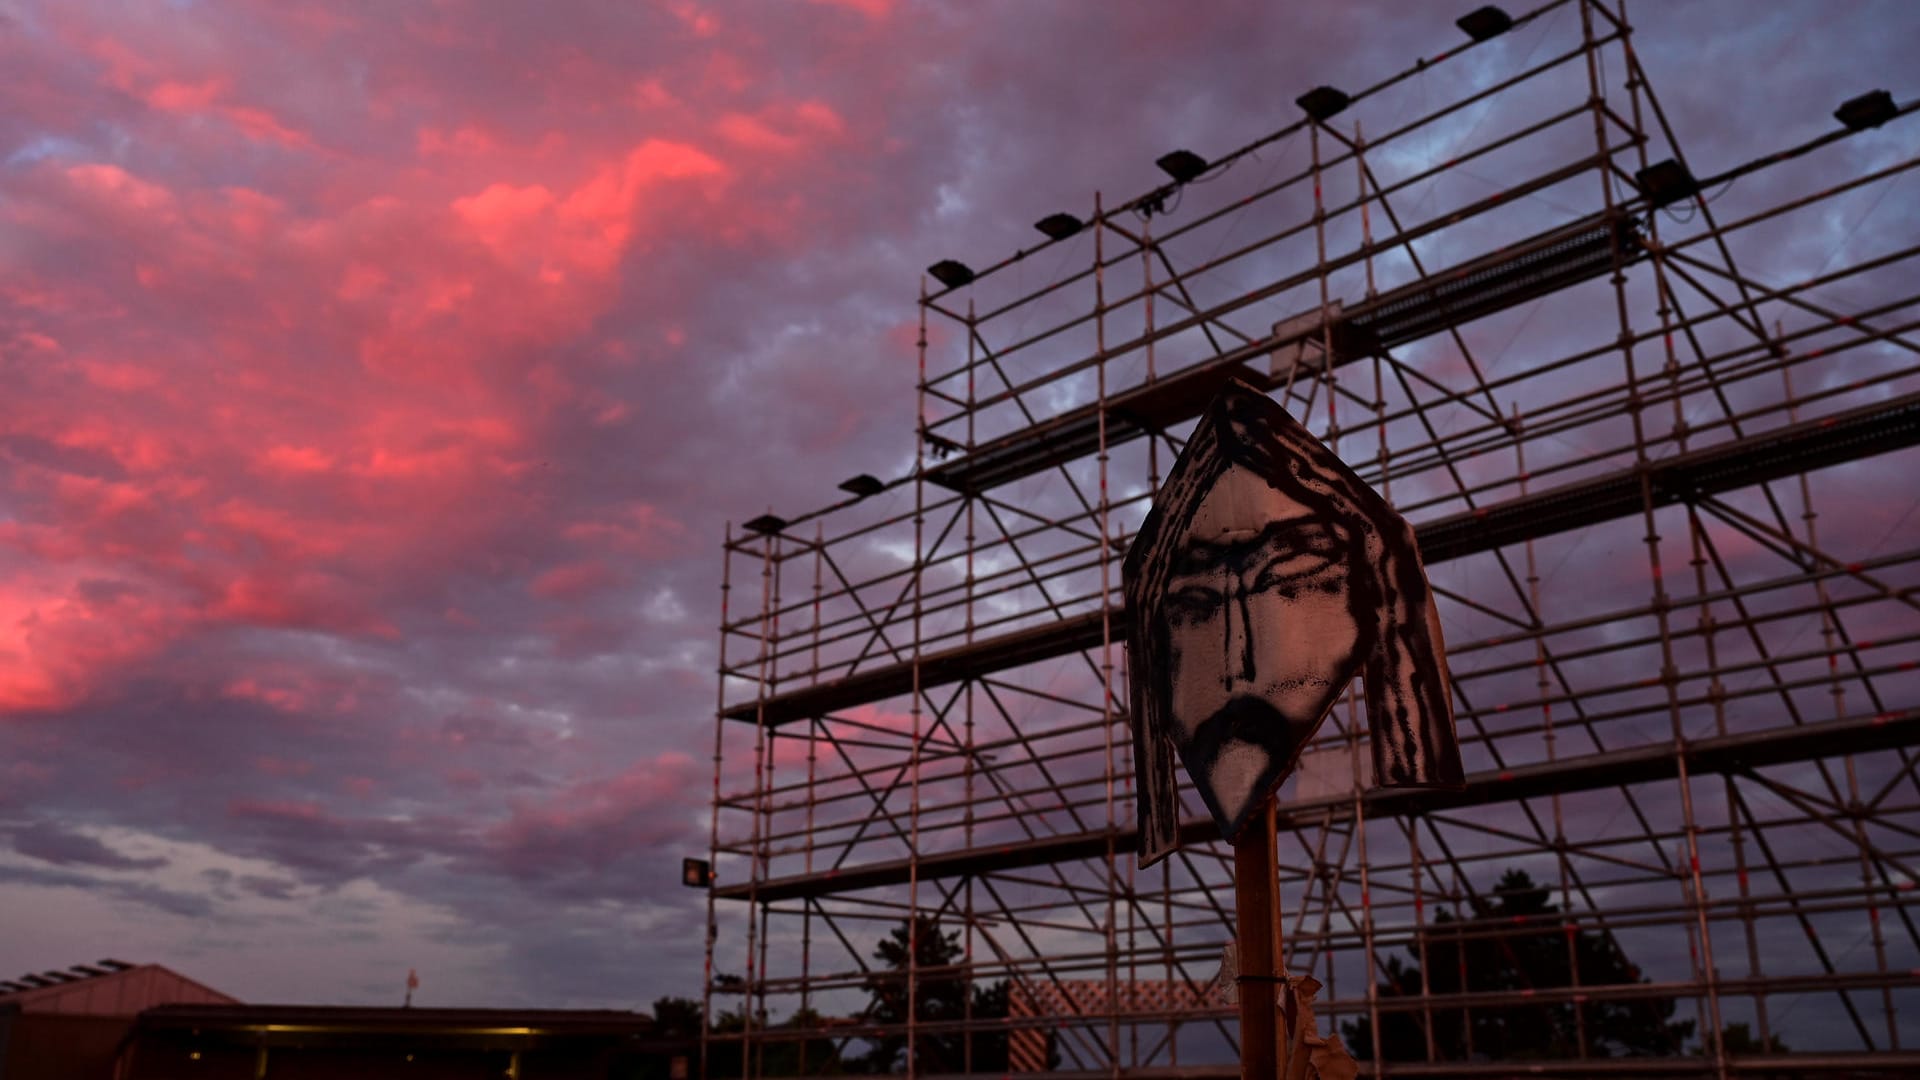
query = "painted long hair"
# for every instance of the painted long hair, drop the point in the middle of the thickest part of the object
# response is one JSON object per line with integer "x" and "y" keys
{"x": 1398, "y": 649}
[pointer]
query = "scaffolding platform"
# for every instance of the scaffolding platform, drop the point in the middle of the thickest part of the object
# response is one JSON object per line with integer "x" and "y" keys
{"x": 1494, "y": 282}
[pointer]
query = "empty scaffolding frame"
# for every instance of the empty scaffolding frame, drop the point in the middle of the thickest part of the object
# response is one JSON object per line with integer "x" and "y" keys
{"x": 928, "y": 686}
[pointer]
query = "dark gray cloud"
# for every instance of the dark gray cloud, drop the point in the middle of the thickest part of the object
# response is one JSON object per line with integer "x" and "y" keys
{"x": 50, "y": 843}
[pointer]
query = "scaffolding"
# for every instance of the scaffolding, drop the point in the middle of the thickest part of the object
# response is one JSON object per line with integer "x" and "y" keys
{"x": 1685, "y": 694}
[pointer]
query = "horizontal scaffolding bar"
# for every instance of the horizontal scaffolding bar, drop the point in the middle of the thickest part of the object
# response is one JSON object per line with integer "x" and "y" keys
{"x": 1640, "y": 764}
{"x": 1505, "y": 278}
{"x": 1812, "y": 444}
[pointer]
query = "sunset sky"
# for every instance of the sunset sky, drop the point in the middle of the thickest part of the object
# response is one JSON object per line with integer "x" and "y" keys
{"x": 376, "y": 380}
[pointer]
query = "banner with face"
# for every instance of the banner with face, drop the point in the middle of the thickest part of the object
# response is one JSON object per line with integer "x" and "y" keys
{"x": 1268, "y": 575}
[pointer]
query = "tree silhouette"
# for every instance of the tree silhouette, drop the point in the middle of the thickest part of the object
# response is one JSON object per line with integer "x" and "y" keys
{"x": 674, "y": 1018}
{"x": 679, "y": 1018}
{"x": 1738, "y": 1038}
{"x": 938, "y": 996}
{"x": 1512, "y": 942}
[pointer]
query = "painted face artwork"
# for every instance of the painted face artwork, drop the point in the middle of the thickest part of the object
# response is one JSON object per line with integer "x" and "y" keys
{"x": 1256, "y": 631}
{"x": 1266, "y": 577}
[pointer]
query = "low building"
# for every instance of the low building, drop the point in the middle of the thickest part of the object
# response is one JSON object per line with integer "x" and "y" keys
{"x": 305, "y": 1042}
{"x": 71, "y": 1023}
{"x": 118, "y": 1021}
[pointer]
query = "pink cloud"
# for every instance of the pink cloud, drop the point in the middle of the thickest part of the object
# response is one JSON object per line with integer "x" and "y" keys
{"x": 464, "y": 141}
{"x": 127, "y": 70}
{"x": 591, "y": 227}
{"x": 298, "y": 459}
{"x": 300, "y": 601}
{"x": 503, "y": 214}
{"x": 56, "y": 636}
{"x": 185, "y": 97}
{"x": 872, "y": 9}
{"x": 592, "y": 824}
{"x": 123, "y": 377}
{"x": 115, "y": 188}
{"x": 638, "y": 529}
{"x": 277, "y": 810}
{"x": 653, "y": 94}
{"x": 573, "y": 581}
{"x": 700, "y": 22}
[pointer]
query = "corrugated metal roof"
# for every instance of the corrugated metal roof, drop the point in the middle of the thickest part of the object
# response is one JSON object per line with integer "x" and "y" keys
{"x": 108, "y": 988}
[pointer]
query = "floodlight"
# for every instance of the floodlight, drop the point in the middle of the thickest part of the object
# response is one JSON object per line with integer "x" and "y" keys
{"x": 1869, "y": 110}
{"x": 862, "y": 485}
{"x": 696, "y": 873}
{"x": 1182, "y": 165}
{"x": 1059, "y": 226}
{"x": 951, "y": 272}
{"x": 766, "y": 523}
{"x": 1323, "y": 102}
{"x": 1666, "y": 182}
{"x": 1482, "y": 24}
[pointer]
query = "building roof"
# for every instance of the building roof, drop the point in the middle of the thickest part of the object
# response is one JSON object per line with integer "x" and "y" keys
{"x": 312, "y": 1026}
{"x": 357, "y": 1018}
{"x": 108, "y": 988}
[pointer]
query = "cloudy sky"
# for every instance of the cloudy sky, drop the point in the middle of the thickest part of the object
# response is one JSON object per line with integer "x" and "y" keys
{"x": 376, "y": 380}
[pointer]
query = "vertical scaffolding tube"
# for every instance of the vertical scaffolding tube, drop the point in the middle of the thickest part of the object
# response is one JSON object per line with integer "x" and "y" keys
{"x": 1695, "y": 885}
{"x": 913, "y": 750}
{"x": 814, "y": 728}
{"x": 757, "y": 844}
{"x": 764, "y": 797}
{"x": 967, "y": 760}
{"x": 713, "y": 835}
{"x": 1148, "y": 289}
{"x": 1836, "y": 688}
{"x": 1106, "y": 639}
{"x": 1544, "y": 687}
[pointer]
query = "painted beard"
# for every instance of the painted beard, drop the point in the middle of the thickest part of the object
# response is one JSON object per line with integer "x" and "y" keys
{"x": 1245, "y": 722}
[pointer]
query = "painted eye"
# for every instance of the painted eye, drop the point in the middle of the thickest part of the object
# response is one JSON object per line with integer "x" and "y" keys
{"x": 1194, "y": 602}
{"x": 1311, "y": 554}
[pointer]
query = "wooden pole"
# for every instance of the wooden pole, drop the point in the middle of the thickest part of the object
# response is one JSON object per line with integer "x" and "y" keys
{"x": 1257, "y": 909}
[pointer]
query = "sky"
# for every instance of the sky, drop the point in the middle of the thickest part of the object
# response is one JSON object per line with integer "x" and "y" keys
{"x": 379, "y": 379}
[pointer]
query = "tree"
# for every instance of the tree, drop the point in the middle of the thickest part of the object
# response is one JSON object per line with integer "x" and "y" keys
{"x": 1511, "y": 943}
{"x": 938, "y": 996}
{"x": 806, "y": 1056}
{"x": 1738, "y": 1038}
{"x": 679, "y": 1018}
{"x": 676, "y": 1018}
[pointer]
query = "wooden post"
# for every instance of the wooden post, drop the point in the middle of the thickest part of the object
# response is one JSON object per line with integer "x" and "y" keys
{"x": 1257, "y": 910}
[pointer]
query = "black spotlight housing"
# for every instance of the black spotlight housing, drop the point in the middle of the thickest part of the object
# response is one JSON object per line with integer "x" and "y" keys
{"x": 1323, "y": 102}
{"x": 1182, "y": 165}
{"x": 696, "y": 873}
{"x": 1059, "y": 226}
{"x": 1485, "y": 23}
{"x": 1869, "y": 110}
{"x": 951, "y": 272}
{"x": 1666, "y": 182}
{"x": 766, "y": 523}
{"x": 863, "y": 485}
